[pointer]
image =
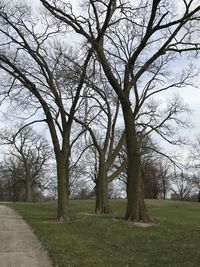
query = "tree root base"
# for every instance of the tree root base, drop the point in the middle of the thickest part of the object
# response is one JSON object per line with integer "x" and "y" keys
{"x": 105, "y": 210}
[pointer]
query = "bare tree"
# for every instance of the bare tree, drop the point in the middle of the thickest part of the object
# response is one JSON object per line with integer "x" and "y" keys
{"x": 165, "y": 178}
{"x": 182, "y": 185}
{"x": 156, "y": 177}
{"x": 135, "y": 42}
{"x": 196, "y": 183}
{"x": 12, "y": 180}
{"x": 194, "y": 160}
{"x": 26, "y": 157}
{"x": 42, "y": 77}
{"x": 101, "y": 121}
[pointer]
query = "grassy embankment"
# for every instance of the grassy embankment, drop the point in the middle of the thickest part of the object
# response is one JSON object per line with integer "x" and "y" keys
{"x": 91, "y": 240}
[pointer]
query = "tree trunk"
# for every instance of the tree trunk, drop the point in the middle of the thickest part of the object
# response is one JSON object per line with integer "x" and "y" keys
{"x": 199, "y": 196}
{"x": 164, "y": 193}
{"x": 134, "y": 197}
{"x": 63, "y": 178}
{"x": 143, "y": 211}
{"x": 155, "y": 192}
{"x": 102, "y": 202}
{"x": 28, "y": 197}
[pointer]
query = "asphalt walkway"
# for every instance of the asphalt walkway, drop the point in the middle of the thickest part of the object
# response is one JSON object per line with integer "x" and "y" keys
{"x": 19, "y": 247}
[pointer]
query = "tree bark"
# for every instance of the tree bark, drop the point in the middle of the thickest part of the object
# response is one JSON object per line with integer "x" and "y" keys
{"x": 143, "y": 210}
{"x": 102, "y": 202}
{"x": 135, "y": 210}
{"x": 164, "y": 193}
{"x": 62, "y": 175}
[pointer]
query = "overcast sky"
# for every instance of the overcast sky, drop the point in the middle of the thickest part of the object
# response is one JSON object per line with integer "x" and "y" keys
{"x": 190, "y": 95}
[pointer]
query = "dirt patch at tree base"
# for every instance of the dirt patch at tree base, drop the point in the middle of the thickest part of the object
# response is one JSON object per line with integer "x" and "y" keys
{"x": 144, "y": 225}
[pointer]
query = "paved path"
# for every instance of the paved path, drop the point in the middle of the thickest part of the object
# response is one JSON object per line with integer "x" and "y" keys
{"x": 19, "y": 247}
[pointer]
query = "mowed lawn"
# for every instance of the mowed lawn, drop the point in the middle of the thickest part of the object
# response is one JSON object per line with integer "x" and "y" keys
{"x": 90, "y": 240}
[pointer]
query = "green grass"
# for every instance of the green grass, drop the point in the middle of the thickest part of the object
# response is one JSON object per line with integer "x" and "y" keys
{"x": 104, "y": 241}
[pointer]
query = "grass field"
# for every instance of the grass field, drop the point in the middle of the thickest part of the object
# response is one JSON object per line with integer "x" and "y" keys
{"x": 91, "y": 240}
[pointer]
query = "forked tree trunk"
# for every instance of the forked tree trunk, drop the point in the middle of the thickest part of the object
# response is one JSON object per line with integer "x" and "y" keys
{"x": 63, "y": 177}
{"x": 135, "y": 198}
{"x": 102, "y": 202}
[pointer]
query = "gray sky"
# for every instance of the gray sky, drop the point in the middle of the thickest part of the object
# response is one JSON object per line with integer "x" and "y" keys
{"x": 190, "y": 95}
